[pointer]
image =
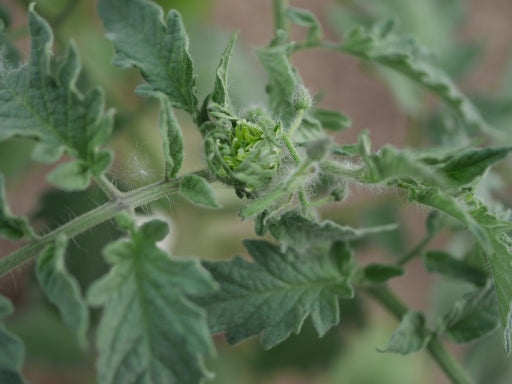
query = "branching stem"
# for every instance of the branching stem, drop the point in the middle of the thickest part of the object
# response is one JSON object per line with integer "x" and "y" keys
{"x": 451, "y": 367}
{"x": 123, "y": 201}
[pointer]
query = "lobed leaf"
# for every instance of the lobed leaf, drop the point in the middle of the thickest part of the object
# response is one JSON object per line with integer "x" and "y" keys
{"x": 273, "y": 295}
{"x": 63, "y": 289}
{"x": 150, "y": 332}
{"x": 293, "y": 229}
{"x": 12, "y": 351}
{"x": 39, "y": 103}
{"x": 410, "y": 336}
{"x": 198, "y": 191}
{"x": 381, "y": 45}
{"x": 473, "y": 316}
{"x": 172, "y": 139}
{"x": 157, "y": 47}
{"x": 12, "y": 227}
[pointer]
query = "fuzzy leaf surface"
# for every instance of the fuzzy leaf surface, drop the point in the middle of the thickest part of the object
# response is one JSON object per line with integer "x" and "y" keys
{"x": 283, "y": 79}
{"x": 11, "y": 227}
{"x": 172, "y": 139}
{"x": 157, "y": 47}
{"x": 473, "y": 316}
{"x": 12, "y": 351}
{"x": 220, "y": 93}
{"x": 273, "y": 295}
{"x": 410, "y": 336}
{"x": 43, "y": 104}
{"x": 489, "y": 231}
{"x": 63, "y": 289}
{"x": 293, "y": 229}
{"x": 381, "y": 45}
{"x": 150, "y": 332}
{"x": 198, "y": 191}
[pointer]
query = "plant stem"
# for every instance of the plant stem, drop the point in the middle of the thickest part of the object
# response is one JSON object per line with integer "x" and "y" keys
{"x": 123, "y": 201}
{"x": 108, "y": 188}
{"x": 280, "y": 20}
{"x": 450, "y": 366}
{"x": 415, "y": 251}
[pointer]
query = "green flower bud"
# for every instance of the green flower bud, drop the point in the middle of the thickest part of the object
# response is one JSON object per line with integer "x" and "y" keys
{"x": 242, "y": 153}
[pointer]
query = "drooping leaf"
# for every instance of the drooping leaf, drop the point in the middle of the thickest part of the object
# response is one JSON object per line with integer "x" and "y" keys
{"x": 473, "y": 316}
{"x": 380, "y": 273}
{"x": 436, "y": 198}
{"x": 293, "y": 229}
{"x": 62, "y": 288}
{"x": 12, "y": 227}
{"x": 172, "y": 139}
{"x": 198, "y": 191}
{"x": 273, "y": 295}
{"x": 410, "y": 336}
{"x": 12, "y": 350}
{"x": 220, "y": 93}
{"x": 381, "y": 45}
{"x": 150, "y": 332}
{"x": 305, "y": 18}
{"x": 445, "y": 264}
{"x": 39, "y": 103}
{"x": 283, "y": 79}
{"x": 489, "y": 232}
{"x": 157, "y": 47}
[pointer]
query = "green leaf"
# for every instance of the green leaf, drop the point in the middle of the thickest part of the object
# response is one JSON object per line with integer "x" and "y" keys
{"x": 293, "y": 229}
{"x": 273, "y": 295}
{"x": 445, "y": 264}
{"x": 473, "y": 316}
{"x": 158, "y": 48}
{"x": 380, "y": 273}
{"x": 283, "y": 79}
{"x": 12, "y": 351}
{"x": 410, "y": 336}
{"x": 472, "y": 163}
{"x": 220, "y": 93}
{"x": 304, "y": 18}
{"x": 450, "y": 205}
{"x": 488, "y": 231}
{"x": 12, "y": 227}
{"x": 40, "y": 103}
{"x": 172, "y": 139}
{"x": 405, "y": 55}
{"x": 332, "y": 120}
{"x": 62, "y": 288}
{"x": 150, "y": 332}
{"x": 198, "y": 191}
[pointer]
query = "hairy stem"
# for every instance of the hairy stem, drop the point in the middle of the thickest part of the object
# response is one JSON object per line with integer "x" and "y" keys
{"x": 451, "y": 367}
{"x": 280, "y": 20}
{"x": 122, "y": 202}
{"x": 108, "y": 188}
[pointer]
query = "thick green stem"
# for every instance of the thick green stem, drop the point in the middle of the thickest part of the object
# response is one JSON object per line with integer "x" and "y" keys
{"x": 280, "y": 20}
{"x": 451, "y": 367}
{"x": 123, "y": 201}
